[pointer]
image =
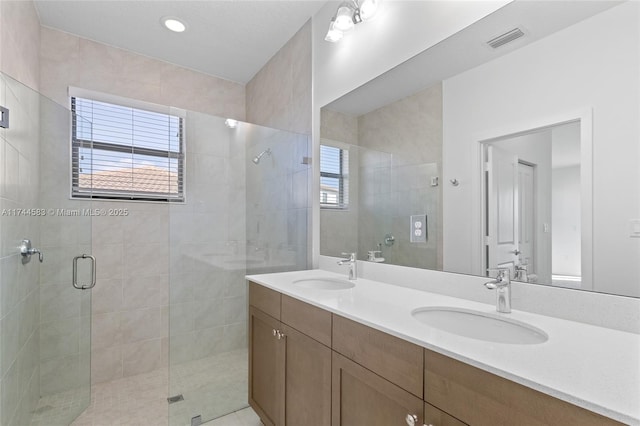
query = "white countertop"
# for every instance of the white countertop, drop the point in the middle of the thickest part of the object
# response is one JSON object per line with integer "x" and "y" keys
{"x": 592, "y": 367}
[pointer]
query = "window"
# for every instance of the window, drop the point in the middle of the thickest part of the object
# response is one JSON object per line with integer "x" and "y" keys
{"x": 334, "y": 177}
{"x": 121, "y": 152}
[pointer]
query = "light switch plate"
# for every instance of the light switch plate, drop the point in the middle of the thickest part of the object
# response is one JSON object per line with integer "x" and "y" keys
{"x": 634, "y": 228}
{"x": 418, "y": 229}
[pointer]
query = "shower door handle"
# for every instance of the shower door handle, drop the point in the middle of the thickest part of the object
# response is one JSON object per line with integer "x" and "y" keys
{"x": 75, "y": 272}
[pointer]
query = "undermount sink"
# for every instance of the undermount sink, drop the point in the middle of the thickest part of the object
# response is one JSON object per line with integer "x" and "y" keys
{"x": 480, "y": 325}
{"x": 324, "y": 283}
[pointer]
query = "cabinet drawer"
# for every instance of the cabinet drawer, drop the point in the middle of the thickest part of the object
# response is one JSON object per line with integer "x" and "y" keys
{"x": 480, "y": 398}
{"x": 435, "y": 417}
{"x": 395, "y": 359}
{"x": 308, "y": 319}
{"x": 265, "y": 299}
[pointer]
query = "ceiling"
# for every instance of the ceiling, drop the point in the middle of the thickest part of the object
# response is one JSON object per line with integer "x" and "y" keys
{"x": 231, "y": 39}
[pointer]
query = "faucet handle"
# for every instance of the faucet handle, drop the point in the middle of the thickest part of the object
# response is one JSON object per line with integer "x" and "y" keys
{"x": 500, "y": 271}
{"x": 352, "y": 256}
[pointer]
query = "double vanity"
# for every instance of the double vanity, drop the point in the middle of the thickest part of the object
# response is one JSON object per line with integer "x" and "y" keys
{"x": 325, "y": 350}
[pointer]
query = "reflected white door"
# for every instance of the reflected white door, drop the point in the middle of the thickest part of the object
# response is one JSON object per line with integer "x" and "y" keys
{"x": 502, "y": 208}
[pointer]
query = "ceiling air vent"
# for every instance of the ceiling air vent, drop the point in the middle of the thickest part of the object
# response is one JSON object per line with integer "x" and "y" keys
{"x": 505, "y": 38}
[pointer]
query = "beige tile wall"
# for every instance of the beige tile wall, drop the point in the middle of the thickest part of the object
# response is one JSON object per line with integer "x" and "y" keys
{"x": 19, "y": 177}
{"x": 413, "y": 127}
{"x": 279, "y": 95}
{"x": 20, "y": 42}
{"x": 130, "y": 319}
{"x": 410, "y": 130}
{"x": 19, "y": 283}
{"x": 68, "y": 60}
{"x": 339, "y": 228}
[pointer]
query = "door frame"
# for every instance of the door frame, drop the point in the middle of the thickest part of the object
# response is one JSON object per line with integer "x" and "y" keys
{"x": 585, "y": 117}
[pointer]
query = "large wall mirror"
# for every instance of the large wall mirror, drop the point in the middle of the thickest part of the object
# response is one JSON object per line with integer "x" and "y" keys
{"x": 513, "y": 144}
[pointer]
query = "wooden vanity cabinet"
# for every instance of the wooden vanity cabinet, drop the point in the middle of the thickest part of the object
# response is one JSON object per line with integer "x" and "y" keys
{"x": 289, "y": 371}
{"x": 390, "y": 357}
{"x": 266, "y": 368}
{"x": 479, "y": 398}
{"x": 308, "y": 367}
{"x": 361, "y": 397}
{"x": 435, "y": 417}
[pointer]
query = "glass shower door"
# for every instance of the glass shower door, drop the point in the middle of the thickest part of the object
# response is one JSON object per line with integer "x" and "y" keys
{"x": 246, "y": 212}
{"x": 65, "y": 278}
{"x": 45, "y": 323}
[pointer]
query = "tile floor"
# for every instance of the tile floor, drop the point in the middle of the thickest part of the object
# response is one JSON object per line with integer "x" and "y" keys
{"x": 211, "y": 387}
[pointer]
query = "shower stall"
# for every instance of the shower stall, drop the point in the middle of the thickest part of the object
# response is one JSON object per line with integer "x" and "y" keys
{"x": 162, "y": 335}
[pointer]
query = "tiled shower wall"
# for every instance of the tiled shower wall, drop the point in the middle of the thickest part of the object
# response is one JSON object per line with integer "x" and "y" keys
{"x": 277, "y": 201}
{"x": 130, "y": 301}
{"x": 278, "y": 212}
{"x": 207, "y": 239}
{"x": 20, "y": 291}
{"x": 413, "y": 127}
{"x": 391, "y": 184}
{"x": 19, "y": 177}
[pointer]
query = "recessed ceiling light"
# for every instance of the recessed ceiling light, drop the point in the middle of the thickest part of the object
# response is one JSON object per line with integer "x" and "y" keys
{"x": 231, "y": 123}
{"x": 174, "y": 24}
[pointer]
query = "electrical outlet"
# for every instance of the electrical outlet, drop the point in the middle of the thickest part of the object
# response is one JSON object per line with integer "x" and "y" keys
{"x": 418, "y": 228}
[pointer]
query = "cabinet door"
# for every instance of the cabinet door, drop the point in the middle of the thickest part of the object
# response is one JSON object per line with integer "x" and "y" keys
{"x": 435, "y": 417}
{"x": 307, "y": 380}
{"x": 266, "y": 368}
{"x": 361, "y": 397}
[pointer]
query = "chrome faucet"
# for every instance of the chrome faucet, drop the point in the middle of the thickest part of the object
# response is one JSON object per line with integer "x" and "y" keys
{"x": 353, "y": 265}
{"x": 502, "y": 286}
{"x": 521, "y": 273}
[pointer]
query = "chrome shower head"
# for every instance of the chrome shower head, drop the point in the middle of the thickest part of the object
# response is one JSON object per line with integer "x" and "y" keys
{"x": 256, "y": 159}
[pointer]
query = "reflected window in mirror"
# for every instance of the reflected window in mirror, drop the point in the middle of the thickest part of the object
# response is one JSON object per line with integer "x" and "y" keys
{"x": 334, "y": 177}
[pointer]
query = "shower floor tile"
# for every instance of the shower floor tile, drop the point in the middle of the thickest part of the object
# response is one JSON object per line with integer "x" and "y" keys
{"x": 217, "y": 385}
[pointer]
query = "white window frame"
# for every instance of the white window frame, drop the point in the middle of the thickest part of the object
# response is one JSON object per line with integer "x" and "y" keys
{"x": 76, "y": 193}
{"x": 343, "y": 180}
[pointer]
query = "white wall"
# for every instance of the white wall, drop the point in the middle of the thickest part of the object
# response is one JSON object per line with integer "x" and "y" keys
{"x": 593, "y": 64}
{"x": 565, "y": 195}
{"x": 401, "y": 30}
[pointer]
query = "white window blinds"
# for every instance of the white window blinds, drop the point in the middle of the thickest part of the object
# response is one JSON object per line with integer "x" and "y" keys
{"x": 334, "y": 177}
{"x": 125, "y": 153}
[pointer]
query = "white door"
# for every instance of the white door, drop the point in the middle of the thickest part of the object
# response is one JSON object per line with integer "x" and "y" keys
{"x": 502, "y": 209}
{"x": 526, "y": 213}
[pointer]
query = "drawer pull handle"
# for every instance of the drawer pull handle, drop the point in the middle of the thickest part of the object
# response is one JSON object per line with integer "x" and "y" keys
{"x": 411, "y": 419}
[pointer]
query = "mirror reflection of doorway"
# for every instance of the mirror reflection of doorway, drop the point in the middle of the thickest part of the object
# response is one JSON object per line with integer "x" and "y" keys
{"x": 532, "y": 205}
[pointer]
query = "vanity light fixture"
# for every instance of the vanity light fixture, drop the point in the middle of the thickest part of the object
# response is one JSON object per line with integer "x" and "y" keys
{"x": 334, "y": 34}
{"x": 349, "y": 14}
{"x": 231, "y": 123}
{"x": 174, "y": 24}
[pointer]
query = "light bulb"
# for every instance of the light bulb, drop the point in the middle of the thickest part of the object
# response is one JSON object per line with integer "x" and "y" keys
{"x": 231, "y": 123}
{"x": 368, "y": 9}
{"x": 333, "y": 35}
{"x": 344, "y": 18}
